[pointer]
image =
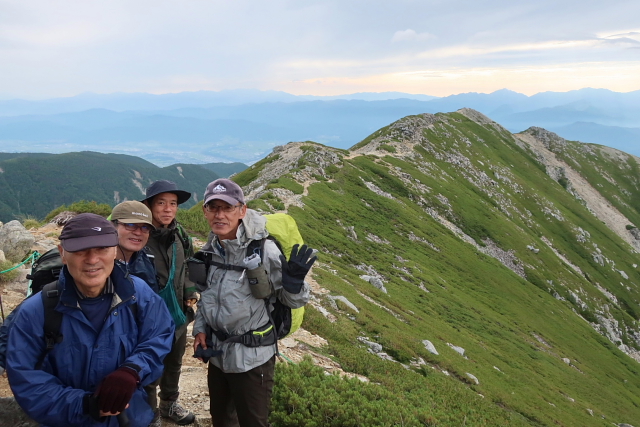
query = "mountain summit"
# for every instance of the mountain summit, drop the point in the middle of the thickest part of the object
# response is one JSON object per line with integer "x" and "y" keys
{"x": 459, "y": 260}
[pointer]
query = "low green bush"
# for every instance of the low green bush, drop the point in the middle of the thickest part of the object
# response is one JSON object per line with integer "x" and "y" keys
{"x": 83, "y": 206}
{"x": 9, "y": 276}
{"x": 258, "y": 205}
{"x": 287, "y": 183}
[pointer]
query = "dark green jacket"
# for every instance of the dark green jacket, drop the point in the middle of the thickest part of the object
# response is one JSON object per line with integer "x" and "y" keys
{"x": 160, "y": 244}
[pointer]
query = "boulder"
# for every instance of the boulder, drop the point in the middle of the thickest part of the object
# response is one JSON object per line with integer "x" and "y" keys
{"x": 375, "y": 281}
{"x": 15, "y": 241}
{"x": 457, "y": 349}
{"x": 430, "y": 347}
{"x": 473, "y": 378}
{"x": 345, "y": 301}
{"x": 374, "y": 347}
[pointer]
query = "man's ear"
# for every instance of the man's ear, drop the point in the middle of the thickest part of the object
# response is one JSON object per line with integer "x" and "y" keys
{"x": 243, "y": 211}
{"x": 61, "y": 250}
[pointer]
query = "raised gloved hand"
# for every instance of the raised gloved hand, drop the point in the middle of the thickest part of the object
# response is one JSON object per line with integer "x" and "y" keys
{"x": 295, "y": 270}
{"x": 116, "y": 389}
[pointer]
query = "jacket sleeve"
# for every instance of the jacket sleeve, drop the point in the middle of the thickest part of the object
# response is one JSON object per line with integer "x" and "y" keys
{"x": 199, "y": 324}
{"x": 40, "y": 394}
{"x": 155, "y": 333}
{"x": 274, "y": 266}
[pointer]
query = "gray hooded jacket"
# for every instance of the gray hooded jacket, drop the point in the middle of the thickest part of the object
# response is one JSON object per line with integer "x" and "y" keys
{"x": 226, "y": 304}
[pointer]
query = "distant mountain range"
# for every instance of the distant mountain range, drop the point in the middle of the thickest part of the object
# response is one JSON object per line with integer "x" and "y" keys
{"x": 32, "y": 185}
{"x": 245, "y": 125}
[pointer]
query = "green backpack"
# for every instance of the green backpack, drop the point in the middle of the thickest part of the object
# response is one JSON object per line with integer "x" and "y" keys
{"x": 283, "y": 230}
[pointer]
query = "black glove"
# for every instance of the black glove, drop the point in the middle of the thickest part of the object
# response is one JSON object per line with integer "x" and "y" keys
{"x": 295, "y": 270}
{"x": 205, "y": 355}
{"x": 116, "y": 389}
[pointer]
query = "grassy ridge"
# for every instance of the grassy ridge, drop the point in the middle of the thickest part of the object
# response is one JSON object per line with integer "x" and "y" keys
{"x": 515, "y": 332}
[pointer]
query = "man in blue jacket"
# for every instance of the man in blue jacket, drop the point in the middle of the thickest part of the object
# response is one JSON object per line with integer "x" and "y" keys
{"x": 114, "y": 333}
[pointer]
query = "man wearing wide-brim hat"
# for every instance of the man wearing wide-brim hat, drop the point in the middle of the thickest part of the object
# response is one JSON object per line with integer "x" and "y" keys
{"x": 171, "y": 247}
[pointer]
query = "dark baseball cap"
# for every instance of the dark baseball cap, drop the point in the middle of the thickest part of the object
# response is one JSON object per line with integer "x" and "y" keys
{"x": 164, "y": 186}
{"x": 225, "y": 190}
{"x": 87, "y": 231}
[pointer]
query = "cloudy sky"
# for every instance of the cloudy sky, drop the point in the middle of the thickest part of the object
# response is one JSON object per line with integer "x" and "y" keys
{"x": 434, "y": 47}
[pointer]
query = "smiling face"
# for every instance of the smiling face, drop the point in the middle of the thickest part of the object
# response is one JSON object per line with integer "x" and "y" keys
{"x": 224, "y": 218}
{"x": 89, "y": 268}
{"x": 131, "y": 241}
{"x": 164, "y": 207}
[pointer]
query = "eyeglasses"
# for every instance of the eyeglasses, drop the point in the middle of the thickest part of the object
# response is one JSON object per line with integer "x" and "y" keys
{"x": 133, "y": 227}
{"x": 223, "y": 208}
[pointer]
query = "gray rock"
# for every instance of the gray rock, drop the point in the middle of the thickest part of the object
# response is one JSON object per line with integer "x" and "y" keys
{"x": 375, "y": 281}
{"x": 374, "y": 347}
{"x": 12, "y": 415}
{"x": 15, "y": 241}
{"x": 2, "y": 257}
{"x": 457, "y": 349}
{"x": 345, "y": 301}
{"x": 566, "y": 360}
{"x": 473, "y": 378}
{"x": 430, "y": 347}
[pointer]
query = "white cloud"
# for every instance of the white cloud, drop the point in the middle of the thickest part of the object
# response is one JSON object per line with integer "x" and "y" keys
{"x": 64, "y": 48}
{"x": 410, "y": 35}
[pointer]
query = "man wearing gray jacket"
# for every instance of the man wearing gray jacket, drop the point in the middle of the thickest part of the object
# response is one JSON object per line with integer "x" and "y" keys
{"x": 240, "y": 375}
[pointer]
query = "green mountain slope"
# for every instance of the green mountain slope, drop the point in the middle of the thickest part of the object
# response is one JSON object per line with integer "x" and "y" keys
{"x": 513, "y": 255}
{"x": 34, "y": 185}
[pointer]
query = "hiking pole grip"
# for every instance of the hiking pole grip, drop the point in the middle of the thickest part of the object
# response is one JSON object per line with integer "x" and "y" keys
{"x": 122, "y": 418}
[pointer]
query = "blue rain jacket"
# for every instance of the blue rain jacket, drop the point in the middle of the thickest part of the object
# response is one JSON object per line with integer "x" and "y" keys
{"x": 141, "y": 266}
{"x": 53, "y": 395}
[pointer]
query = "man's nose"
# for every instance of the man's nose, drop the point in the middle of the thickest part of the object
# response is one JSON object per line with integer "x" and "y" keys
{"x": 92, "y": 256}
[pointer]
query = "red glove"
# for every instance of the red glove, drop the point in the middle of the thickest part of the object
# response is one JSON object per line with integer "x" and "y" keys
{"x": 116, "y": 389}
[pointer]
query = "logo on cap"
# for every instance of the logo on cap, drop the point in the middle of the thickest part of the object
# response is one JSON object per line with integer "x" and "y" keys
{"x": 96, "y": 228}
{"x": 219, "y": 189}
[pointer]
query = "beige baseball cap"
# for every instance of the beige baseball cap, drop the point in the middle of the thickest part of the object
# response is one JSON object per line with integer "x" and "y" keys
{"x": 133, "y": 212}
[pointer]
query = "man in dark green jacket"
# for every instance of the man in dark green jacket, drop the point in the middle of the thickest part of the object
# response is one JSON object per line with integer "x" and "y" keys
{"x": 171, "y": 247}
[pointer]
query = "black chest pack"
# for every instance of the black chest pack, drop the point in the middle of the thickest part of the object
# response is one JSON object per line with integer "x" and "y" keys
{"x": 280, "y": 315}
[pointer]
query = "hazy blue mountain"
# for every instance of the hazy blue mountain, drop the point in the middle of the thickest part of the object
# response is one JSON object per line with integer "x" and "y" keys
{"x": 625, "y": 139}
{"x": 172, "y": 101}
{"x": 240, "y": 126}
{"x": 225, "y": 169}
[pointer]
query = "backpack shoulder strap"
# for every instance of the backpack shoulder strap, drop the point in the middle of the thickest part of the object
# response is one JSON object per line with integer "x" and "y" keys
{"x": 52, "y": 318}
{"x": 185, "y": 239}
